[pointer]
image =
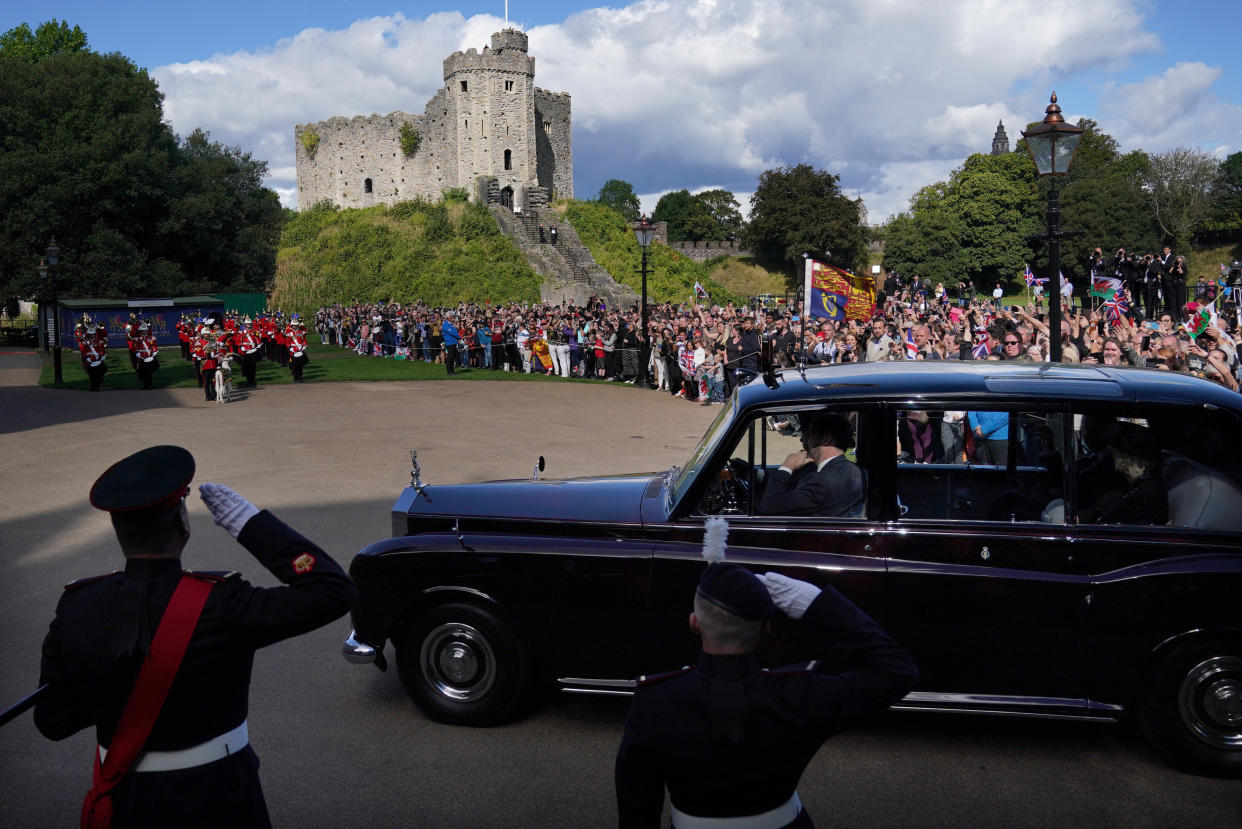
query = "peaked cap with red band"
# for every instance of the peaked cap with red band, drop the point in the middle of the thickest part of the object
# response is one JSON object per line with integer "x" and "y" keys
{"x": 146, "y": 484}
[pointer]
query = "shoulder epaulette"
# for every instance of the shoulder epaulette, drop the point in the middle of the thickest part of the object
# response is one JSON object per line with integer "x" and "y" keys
{"x": 789, "y": 670}
{"x": 653, "y": 678}
{"x": 76, "y": 583}
{"x": 217, "y": 576}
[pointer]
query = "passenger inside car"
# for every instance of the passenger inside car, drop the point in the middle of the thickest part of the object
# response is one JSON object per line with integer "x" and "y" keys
{"x": 818, "y": 479}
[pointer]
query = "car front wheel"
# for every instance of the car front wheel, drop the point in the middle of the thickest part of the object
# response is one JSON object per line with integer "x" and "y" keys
{"x": 1192, "y": 708}
{"x": 463, "y": 665}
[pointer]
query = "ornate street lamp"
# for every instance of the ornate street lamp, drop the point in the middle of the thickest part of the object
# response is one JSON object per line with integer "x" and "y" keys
{"x": 1052, "y": 145}
{"x": 47, "y": 272}
{"x": 644, "y": 232}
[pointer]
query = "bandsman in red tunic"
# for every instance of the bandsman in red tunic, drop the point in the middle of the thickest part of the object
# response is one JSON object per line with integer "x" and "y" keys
{"x": 146, "y": 352}
{"x": 296, "y": 339}
{"x": 94, "y": 353}
{"x": 131, "y": 339}
{"x": 185, "y": 330}
{"x": 248, "y": 344}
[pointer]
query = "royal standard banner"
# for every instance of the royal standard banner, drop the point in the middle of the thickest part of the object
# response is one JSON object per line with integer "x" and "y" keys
{"x": 836, "y": 295}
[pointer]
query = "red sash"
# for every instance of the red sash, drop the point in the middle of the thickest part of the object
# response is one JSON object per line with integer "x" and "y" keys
{"x": 155, "y": 677}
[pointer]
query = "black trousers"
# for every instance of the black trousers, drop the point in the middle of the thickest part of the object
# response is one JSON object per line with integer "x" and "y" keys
{"x": 249, "y": 364}
{"x": 296, "y": 364}
{"x": 1175, "y": 296}
{"x": 146, "y": 372}
{"x": 224, "y": 793}
{"x": 96, "y": 373}
{"x": 450, "y": 358}
{"x": 209, "y": 383}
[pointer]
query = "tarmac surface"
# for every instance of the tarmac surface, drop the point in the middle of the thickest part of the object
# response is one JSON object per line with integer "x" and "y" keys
{"x": 342, "y": 745}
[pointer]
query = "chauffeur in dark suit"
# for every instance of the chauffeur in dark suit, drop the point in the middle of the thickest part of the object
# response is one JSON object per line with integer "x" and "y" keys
{"x": 730, "y": 740}
{"x": 195, "y": 767}
{"x": 819, "y": 480}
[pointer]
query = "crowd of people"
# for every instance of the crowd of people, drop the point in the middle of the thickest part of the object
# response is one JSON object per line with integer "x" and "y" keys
{"x": 700, "y": 352}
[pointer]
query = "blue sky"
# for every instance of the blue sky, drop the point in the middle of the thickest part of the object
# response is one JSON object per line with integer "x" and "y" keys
{"x": 706, "y": 93}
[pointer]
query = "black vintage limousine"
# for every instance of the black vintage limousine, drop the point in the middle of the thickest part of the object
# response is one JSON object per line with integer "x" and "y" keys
{"x": 987, "y": 544}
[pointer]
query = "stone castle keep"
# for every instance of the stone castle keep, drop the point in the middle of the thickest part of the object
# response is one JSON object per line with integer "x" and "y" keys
{"x": 490, "y": 130}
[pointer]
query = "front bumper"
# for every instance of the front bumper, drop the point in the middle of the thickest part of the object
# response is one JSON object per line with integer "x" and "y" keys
{"x": 360, "y": 653}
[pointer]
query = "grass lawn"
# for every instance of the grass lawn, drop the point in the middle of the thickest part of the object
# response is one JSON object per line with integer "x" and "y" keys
{"x": 328, "y": 363}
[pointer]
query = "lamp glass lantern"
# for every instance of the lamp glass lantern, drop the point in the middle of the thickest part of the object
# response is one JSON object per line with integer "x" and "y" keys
{"x": 1053, "y": 143}
{"x": 644, "y": 233}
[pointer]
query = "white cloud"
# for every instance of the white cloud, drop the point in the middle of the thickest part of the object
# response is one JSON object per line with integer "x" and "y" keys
{"x": 699, "y": 92}
{"x": 1172, "y": 109}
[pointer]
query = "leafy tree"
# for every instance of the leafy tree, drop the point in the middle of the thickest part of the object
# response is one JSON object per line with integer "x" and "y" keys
{"x": 1227, "y": 210}
{"x": 620, "y": 196}
{"x": 1177, "y": 186}
{"x": 796, "y": 210}
{"x": 85, "y": 155}
{"x": 51, "y": 38}
{"x": 687, "y": 218}
{"x": 725, "y": 211}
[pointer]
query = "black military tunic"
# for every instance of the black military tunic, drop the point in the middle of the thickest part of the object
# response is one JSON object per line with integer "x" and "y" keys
{"x": 103, "y": 628}
{"x": 670, "y": 737}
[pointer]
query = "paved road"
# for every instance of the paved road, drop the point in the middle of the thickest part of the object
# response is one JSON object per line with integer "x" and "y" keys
{"x": 342, "y": 745}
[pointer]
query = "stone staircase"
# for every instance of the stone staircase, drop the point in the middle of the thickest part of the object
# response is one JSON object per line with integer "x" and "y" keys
{"x": 570, "y": 273}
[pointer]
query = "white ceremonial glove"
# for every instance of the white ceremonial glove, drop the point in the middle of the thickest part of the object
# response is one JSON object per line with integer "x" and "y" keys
{"x": 229, "y": 509}
{"x": 792, "y": 597}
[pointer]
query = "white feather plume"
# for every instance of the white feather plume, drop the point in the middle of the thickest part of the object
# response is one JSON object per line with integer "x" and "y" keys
{"x": 715, "y": 536}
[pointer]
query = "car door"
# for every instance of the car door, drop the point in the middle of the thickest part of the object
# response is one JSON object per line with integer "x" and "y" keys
{"x": 837, "y": 551}
{"x": 982, "y": 587}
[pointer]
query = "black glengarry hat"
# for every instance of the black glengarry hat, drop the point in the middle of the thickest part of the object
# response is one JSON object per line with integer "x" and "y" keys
{"x": 146, "y": 484}
{"x": 734, "y": 588}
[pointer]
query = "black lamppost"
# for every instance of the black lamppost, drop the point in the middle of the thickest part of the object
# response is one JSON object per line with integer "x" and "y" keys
{"x": 1052, "y": 145}
{"x": 644, "y": 232}
{"x": 47, "y": 273}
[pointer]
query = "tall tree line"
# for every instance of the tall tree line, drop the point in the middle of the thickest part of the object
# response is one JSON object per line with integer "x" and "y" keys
{"x": 137, "y": 211}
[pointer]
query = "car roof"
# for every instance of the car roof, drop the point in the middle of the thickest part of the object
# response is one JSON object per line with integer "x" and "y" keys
{"x": 904, "y": 379}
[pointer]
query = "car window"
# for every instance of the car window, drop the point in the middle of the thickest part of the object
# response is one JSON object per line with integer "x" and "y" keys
{"x": 1158, "y": 466}
{"x": 822, "y": 476}
{"x": 980, "y": 464}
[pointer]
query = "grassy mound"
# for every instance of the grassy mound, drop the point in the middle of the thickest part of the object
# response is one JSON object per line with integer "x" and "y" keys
{"x": 745, "y": 277}
{"x": 611, "y": 241}
{"x": 442, "y": 253}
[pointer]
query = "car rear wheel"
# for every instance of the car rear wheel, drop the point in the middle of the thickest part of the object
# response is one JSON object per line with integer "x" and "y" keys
{"x": 463, "y": 665}
{"x": 1192, "y": 708}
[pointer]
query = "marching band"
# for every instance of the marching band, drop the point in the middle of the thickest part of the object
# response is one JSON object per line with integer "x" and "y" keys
{"x": 207, "y": 342}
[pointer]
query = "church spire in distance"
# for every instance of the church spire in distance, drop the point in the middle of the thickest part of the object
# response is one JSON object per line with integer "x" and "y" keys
{"x": 1000, "y": 141}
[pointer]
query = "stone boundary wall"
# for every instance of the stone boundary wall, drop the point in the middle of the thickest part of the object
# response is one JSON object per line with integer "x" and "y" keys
{"x": 702, "y": 251}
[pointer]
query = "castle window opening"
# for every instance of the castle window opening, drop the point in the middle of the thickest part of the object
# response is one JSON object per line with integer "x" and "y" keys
{"x": 366, "y": 186}
{"x": 463, "y": 86}
{"x": 508, "y": 86}
{"x": 508, "y": 159}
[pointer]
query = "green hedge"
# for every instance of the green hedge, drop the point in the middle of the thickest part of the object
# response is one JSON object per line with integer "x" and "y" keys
{"x": 442, "y": 253}
{"x": 611, "y": 241}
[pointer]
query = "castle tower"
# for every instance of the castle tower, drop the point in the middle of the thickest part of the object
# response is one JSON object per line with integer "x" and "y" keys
{"x": 488, "y": 121}
{"x": 491, "y": 98}
{"x": 1000, "y": 141}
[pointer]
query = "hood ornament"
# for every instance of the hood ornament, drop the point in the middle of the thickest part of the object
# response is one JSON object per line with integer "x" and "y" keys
{"x": 539, "y": 467}
{"x": 415, "y": 480}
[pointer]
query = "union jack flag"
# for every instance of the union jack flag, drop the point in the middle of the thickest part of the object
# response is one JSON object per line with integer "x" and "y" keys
{"x": 981, "y": 349}
{"x": 911, "y": 348}
{"x": 1030, "y": 278}
{"x": 1115, "y": 307}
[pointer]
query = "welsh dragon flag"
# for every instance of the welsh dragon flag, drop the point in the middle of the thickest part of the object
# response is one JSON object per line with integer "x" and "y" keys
{"x": 1200, "y": 322}
{"x": 1105, "y": 286}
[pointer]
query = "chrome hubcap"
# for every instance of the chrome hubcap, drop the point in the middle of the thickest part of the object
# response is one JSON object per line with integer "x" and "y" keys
{"x": 457, "y": 661}
{"x": 1210, "y": 701}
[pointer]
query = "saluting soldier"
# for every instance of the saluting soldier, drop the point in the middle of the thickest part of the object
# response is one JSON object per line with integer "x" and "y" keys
{"x": 146, "y": 352}
{"x": 158, "y": 659}
{"x": 730, "y": 740}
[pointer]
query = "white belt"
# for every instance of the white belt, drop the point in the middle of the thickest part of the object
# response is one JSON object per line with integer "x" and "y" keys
{"x": 217, "y": 748}
{"x": 782, "y": 815}
{"x": 147, "y": 359}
